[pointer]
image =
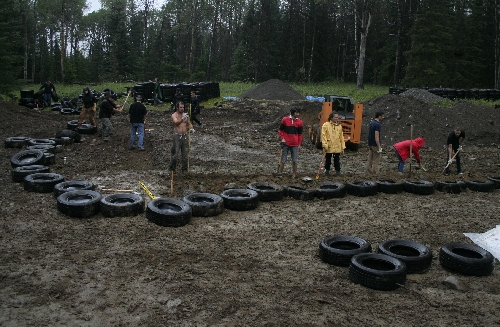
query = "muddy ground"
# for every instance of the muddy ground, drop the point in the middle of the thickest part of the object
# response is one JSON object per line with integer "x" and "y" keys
{"x": 253, "y": 268}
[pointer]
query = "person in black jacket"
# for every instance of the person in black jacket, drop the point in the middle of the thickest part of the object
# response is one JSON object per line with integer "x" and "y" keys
{"x": 195, "y": 107}
{"x": 107, "y": 109}
{"x": 48, "y": 87}
{"x": 454, "y": 146}
{"x": 89, "y": 104}
{"x": 137, "y": 114}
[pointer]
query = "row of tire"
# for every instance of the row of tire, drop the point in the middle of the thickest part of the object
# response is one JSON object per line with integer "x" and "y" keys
{"x": 204, "y": 90}
{"x": 388, "y": 268}
{"x": 452, "y": 94}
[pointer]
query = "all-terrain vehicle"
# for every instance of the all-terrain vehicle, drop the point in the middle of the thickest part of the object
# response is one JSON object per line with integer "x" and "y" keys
{"x": 350, "y": 116}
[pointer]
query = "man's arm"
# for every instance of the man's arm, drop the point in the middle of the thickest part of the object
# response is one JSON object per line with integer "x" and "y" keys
{"x": 377, "y": 139}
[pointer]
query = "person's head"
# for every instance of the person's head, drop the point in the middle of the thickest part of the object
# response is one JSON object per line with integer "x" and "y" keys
{"x": 86, "y": 90}
{"x": 156, "y": 79}
{"x": 379, "y": 115}
{"x": 419, "y": 141}
{"x": 294, "y": 112}
{"x": 108, "y": 96}
{"x": 458, "y": 131}
{"x": 179, "y": 107}
{"x": 138, "y": 98}
{"x": 334, "y": 117}
{"x": 193, "y": 93}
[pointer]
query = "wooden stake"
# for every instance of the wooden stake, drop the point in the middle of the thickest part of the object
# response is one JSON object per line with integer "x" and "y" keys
{"x": 172, "y": 183}
{"x": 411, "y": 145}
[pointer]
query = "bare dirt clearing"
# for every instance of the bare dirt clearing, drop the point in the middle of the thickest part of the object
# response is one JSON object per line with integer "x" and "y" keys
{"x": 249, "y": 268}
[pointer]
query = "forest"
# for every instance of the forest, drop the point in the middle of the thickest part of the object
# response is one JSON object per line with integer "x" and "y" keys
{"x": 416, "y": 43}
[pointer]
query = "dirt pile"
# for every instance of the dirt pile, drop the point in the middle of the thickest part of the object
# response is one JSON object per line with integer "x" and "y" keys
{"x": 274, "y": 89}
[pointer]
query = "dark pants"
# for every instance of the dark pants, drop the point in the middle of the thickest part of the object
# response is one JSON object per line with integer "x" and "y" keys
{"x": 459, "y": 165}
{"x": 336, "y": 161}
{"x": 193, "y": 118}
{"x": 179, "y": 146}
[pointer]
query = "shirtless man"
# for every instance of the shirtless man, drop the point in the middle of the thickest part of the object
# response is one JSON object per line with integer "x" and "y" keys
{"x": 181, "y": 122}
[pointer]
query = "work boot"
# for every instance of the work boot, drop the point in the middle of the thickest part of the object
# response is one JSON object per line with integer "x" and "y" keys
{"x": 337, "y": 173}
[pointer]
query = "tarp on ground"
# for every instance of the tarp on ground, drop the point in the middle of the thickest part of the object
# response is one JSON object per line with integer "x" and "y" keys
{"x": 489, "y": 240}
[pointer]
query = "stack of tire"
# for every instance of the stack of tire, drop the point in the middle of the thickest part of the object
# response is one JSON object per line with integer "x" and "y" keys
{"x": 28, "y": 100}
{"x": 204, "y": 90}
{"x": 146, "y": 90}
{"x": 68, "y": 106}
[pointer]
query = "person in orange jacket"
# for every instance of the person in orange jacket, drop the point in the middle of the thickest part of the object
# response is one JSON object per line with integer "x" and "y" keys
{"x": 402, "y": 150}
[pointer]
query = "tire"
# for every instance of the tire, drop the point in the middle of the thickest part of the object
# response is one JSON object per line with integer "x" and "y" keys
{"x": 27, "y": 158}
{"x": 338, "y": 250}
{"x": 448, "y": 187}
{"x": 298, "y": 192}
{"x": 481, "y": 186}
{"x": 43, "y": 147}
{"x": 494, "y": 179}
{"x": 42, "y": 182}
{"x": 16, "y": 142}
{"x": 79, "y": 204}
{"x": 66, "y": 111}
{"x": 417, "y": 257}
{"x": 64, "y": 141}
{"x": 466, "y": 259}
{"x": 362, "y": 188}
{"x": 19, "y": 173}
{"x": 122, "y": 205}
{"x": 267, "y": 191}
{"x": 419, "y": 187}
{"x": 87, "y": 129}
{"x": 41, "y": 142}
{"x": 68, "y": 186}
{"x": 389, "y": 186}
{"x": 204, "y": 204}
{"x": 377, "y": 271}
{"x": 240, "y": 199}
{"x": 331, "y": 190}
{"x": 72, "y": 125}
{"x": 69, "y": 133}
{"x": 168, "y": 212}
{"x": 49, "y": 158}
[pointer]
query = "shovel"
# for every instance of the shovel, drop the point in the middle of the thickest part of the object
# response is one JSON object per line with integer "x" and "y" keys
{"x": 448, "y": 165}
{"x": 321, "y": 165}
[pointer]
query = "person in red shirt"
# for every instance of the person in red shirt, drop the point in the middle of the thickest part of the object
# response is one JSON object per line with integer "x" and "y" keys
{"x": 402, "y": 150}
{"x": 290, "y": 133}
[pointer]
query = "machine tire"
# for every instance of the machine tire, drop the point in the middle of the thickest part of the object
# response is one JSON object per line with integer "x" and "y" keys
{"x": 41, "y": 142}
{"x": 27, "y": 158}
{"x": 49, "y": 158}
{"x": 466, "y": 259}
{"x": 168, "y": 212}
{"x": 66, "y": 111}
{"x": 87, "y": 129}
{"x": 338, "y": 250}
{"x": 69, "y": 186}
{"x": 64, "y": 141}
{"x": 362, "y": 188}
{"x": 494, "y": 179}
{"x": 122, "y": 205}
{"x": 448, "y": 187}
{"x": 267, "y": 191}
{"x": 390, "y": 186}
{"x": 481, "y": 186}
{"x": 240, "y": 199}
{"x": 419, "y": 187}
{"x": 16, "y": 142}
{"x": 205, "y": 204}
{"x": 69, "y": 133}
{"x": 79, "y": 204}
{"x": 73, "y": 124}
{"x": 43, "y": 147}
{"x": 377, "y": 271}
{"x": 41, "y": 182}
{"x": 416, "y": 256}
{"x": 331, "y": 190}
{"x": 298, "y": 192}
{"x": 19, "y": 173}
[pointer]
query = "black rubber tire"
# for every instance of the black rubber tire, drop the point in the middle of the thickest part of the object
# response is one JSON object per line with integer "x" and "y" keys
{"x": 168, "y": 212}
{"x": 481, "y": 186}
{"x": 122, "y": 205}
{"x": 419, "y": 187}
{"x": 362, "y": 188}
{"x": 66, "y": 111}
{"x": 68, "y": 186}
{"x": 463, "y": 185}
{"x": 16, "y": 141}
{"x": 43, "y": 147}
{"x": 299, "y": 192}
{"x": 390, "y": 186}
{"x": 41, "y": 142}
{"x": 87, "y": 129}
{"x": 79, "y": 204}
{"x": 240, "y": 199}
{"x": 448, "y": 186}
{"x": 466, "y": 259}
{"x": 19, "y": 173}
{"x": 338, "y": 250}
{"x": 267, "y": 191}
{"x": 331, "y": 190}
{"x": 49, "y": 158}
{"x": 64, "y": 141}
{"x": 416, "y": 256}
{"x": 72, "y": 125}
{"x": 494, "y": 179}
{"x": 27, "y": 158}
{"x": 69, "y": 133}
{"x": 377, "y": 271}
{"x": 205, "y": 204}
{"x": 42, "y": 182}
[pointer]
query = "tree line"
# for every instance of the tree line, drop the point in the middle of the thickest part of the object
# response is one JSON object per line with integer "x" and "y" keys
{"x": 434, "y": 43}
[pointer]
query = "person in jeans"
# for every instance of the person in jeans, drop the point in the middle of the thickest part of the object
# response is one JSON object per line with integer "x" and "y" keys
{"x": 89, "y": 104}
{"x": 402, "y": 150}
{"x": 137, "y": 114}
{"x": 182, "y": 124}
{"x": 374, "y": 144}
{"x": 455, "y": 139}
{"x": 108, "y": 108}
{"x": 332, "y": 139}
{"x": 158, "y": 93}
{"x": 290, "y": 133}
{"x": 48, "y": 87}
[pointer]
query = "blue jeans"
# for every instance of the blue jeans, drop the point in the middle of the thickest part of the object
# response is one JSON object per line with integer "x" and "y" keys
{"x": 401, "y": 164}
{"x": 47, "y": 97}
{"x": 139, "y": 129}
{"x": 294, "y": 151}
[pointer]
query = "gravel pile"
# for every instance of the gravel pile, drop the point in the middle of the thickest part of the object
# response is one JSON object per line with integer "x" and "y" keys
{"x": 422, "y": 95}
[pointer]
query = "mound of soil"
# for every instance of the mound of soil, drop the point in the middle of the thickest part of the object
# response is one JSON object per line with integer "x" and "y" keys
{"x": 274, "y": 89}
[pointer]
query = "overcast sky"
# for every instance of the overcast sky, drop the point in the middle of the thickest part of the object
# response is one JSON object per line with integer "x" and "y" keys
{"x": 94, "y": 5}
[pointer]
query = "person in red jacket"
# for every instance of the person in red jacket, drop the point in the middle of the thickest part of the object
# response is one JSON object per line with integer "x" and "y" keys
{"x": 290, "y": 133}
{"x": 402, "y": 150}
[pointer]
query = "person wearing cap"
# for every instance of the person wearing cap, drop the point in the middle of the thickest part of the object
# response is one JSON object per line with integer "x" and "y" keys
{"x": 89, "y": 104}
{"x": 137, "y": 114}
{"x": 108, "y": 108}
{"x": 180, "y": 145}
